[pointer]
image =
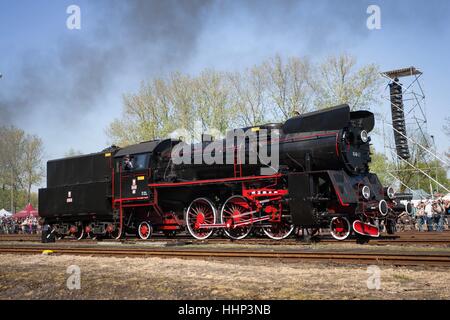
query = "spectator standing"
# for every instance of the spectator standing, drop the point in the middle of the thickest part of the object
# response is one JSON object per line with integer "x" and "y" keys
{"x": 447, "y": 211}
{"x": 429, "y": 214}
{"x": 439, "y": 212}
{"x": 420, "y": 214}
{"x": 2, "y": 225}
{"x": 30, "y": 224}
{"x": 24, "y": 226}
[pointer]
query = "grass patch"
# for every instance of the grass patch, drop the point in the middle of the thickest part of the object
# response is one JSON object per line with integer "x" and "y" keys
{"x": 402, "y": 277}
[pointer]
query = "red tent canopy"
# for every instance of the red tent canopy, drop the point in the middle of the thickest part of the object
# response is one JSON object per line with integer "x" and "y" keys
{"x": 29, "y": 210}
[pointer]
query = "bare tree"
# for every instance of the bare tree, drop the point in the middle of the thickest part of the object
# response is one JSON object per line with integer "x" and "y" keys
{"x": 271, "y": 91}
{"x": 289, "y": 86}
{"x": 249, "y": 99}
{"x": 201, "y": 103}
{"x": 181, "y": 98}
{"x": 33, "y": 170}
{"x": 211, "y": 98}
{"x": 178, "y": 102}
{"x": 20, "y": 162}
{"x": 339, "y": 81}
{"x": 12, "y": 148}
{"x": 146, "y": 115}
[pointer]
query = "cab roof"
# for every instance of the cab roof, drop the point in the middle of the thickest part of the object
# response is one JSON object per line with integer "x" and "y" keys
{"x": 143, "y": 147}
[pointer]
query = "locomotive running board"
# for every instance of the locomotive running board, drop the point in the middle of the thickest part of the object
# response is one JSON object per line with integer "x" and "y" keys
{"x": 366, "y": 229}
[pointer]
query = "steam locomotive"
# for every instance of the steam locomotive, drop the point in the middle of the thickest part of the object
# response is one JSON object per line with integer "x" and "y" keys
{"x": 319, "y": 178}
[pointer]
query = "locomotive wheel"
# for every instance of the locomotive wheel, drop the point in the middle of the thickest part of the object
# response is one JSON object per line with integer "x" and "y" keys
{"x": 92, "y": 236}
{"x": 79, "y": 234}
{"x": 59, "y": 236}
{"x": 145, "y": 230}
{"x": 116, "y": 234}
{"x": 340, "y": 228}
{"x": 234, "y": 211}
{"x": 200, "y": 211}
{"x": 89, "y": 233}
{"x": 279, "y": 230}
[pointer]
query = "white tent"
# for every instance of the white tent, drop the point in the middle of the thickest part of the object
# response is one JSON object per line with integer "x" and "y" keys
{"x": 419, "y": 195}
{"x": 4, "y": 213}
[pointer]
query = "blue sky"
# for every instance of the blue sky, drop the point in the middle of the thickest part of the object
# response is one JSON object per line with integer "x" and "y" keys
{"x": 66, "y": 85}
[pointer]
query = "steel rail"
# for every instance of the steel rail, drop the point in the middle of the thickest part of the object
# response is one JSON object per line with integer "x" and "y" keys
{"x": 438, "y": 240}
{"x": 328, "y": 256}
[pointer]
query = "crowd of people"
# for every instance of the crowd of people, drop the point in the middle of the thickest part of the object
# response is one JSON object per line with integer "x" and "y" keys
{"x": 28, "y": 225}
{"x": 427, "y": 215}
{"x": 431, "y": 213}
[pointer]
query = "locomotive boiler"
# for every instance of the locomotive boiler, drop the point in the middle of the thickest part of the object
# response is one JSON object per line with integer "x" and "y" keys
{"x": 310, "y": 172}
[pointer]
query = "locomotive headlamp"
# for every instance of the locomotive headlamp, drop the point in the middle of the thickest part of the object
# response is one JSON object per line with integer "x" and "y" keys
{"x": 390, "y": 193}
{"x": 364, "y": 136}
{"x": 383, "y": 207}
{"x": 409, "y": 207}
{"x": 365, "y": 192}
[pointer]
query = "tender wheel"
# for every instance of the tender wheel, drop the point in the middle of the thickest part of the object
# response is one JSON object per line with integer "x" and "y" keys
{"x": 59, "y": 236}
{"x": 144, "y": 230}
{"x": 116, "y": 234}
{"x": 200, "y": 212}
{"x": 79, "y": 233}
{"x": 340, "y": 228}
{"x": 89, "y": 233}
{"x": 236, "y": 210}
{"x": 279, "y": 230}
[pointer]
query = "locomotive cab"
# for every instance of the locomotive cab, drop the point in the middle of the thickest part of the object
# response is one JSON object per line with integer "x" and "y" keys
{"x": 132, "y": 172}
{"x": 131, "y": 176}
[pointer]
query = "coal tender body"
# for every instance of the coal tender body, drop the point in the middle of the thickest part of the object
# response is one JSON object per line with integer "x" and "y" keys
{"x": 321, "y": 179}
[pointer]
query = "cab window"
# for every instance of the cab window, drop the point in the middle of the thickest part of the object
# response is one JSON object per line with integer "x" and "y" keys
{"x": 133, "y": 163}
{"x": 140, "y": 161}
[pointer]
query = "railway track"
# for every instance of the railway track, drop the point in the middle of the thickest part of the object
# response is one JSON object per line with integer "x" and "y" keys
{"x": 397, "y": 258}
{"x": 441, "y": 239}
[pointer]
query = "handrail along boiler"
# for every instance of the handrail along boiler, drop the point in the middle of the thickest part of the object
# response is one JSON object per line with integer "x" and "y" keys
{"x": 322, "y": 181}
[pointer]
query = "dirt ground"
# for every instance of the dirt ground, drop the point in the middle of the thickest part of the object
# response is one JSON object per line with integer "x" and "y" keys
{"x": 45, "y": 277}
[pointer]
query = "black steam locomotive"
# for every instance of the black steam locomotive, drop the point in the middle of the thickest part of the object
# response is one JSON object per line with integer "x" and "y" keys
{"x": 320, "y": 179}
